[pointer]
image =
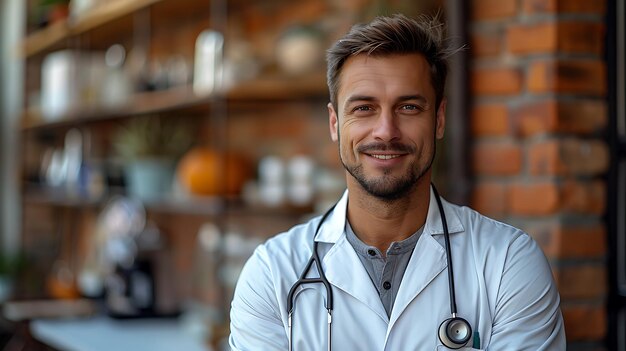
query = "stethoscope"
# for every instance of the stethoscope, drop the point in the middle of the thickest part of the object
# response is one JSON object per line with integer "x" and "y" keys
{"x": 453, "y": 332}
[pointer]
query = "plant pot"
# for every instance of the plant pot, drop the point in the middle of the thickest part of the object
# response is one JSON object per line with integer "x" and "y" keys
{"x": 149, "y": 179}
{"x": 58, "y": 13}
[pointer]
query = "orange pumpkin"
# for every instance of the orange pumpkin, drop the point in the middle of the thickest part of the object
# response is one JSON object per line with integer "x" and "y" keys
{"x": 203, "y": 171}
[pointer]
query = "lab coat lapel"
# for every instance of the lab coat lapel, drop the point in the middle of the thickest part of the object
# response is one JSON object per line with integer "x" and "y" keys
{"x": 427, "y": 260}
{"x": 345, "y": 271}
{"x": 341, "y": 264}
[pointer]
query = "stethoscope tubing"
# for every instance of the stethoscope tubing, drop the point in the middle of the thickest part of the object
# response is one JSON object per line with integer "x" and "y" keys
{"x": 446, "y": 236}
{"x": 315, "y": 259}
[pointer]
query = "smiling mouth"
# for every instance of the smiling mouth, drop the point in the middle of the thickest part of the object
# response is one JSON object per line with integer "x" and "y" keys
{"x": 384, "y": 157}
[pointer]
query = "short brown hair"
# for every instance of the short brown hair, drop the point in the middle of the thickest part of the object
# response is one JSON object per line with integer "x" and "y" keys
{"x": 397, "y": 34}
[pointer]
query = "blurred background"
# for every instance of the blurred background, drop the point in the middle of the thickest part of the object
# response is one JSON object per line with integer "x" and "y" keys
{"x": 148, "y": 146}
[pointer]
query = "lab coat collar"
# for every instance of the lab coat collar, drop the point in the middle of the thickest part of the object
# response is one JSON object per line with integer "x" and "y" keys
{"x": 333, "y": 228}
{"x": 433, "y": 224}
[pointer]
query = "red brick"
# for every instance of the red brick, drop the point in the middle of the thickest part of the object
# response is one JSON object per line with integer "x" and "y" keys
{"x": 496, "y": 81}
{"x": 581, "y": 77}
{"x": 585, "y": 157}
{"x": 581, "y": 37}
{"x": 282, "y": 127}
{"x": 485, "y": 44}
{"x": 535, "y": 6}
{"x": 582, "y": 6}
{"x": 536, "y": 38}
{"x": 493, "y": 9}
{"x": 564, "y": 241}
{"x": 564, "y": 6}
{"x": 540, "y": 77}
{"x": 565, "y": 37}
{"x": 581, "y": 241}
{"x": 534, "y": 199}
{"x": 577, "y": 77}
{"x": 583, "y": 197}
{"x": 489, "y": 198}
{"x": 584, "y": 322}
{"x": 582, "y": 116}
{"x": 571, "y": 117}
{"x": 497, "y": 158}
{"x": 568, "y": 157}
{"x": 534, "y": 118}
{"x": 581, "y": 281}
{"x": 544, "y": 158}
{"x": 490, "y": 119}
{"x": 256, "y": 17}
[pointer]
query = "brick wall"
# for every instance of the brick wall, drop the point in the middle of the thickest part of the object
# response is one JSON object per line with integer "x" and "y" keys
{"x": 538, "y": 118}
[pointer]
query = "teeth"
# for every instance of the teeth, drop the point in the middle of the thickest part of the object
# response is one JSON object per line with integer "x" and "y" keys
{"x": 385, "y": 157}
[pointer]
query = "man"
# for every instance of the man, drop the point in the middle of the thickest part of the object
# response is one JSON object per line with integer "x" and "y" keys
{"x": 383, "y": 248}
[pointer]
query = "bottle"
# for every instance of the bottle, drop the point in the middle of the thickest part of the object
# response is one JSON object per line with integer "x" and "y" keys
{"x": 207, "y": 75}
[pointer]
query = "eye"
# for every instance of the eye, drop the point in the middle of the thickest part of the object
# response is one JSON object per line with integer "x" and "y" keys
{"x": 361, "y": 108}
{"x": 410, "y": 108}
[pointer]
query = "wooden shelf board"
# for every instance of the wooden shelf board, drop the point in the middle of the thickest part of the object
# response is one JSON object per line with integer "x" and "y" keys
{"x": 184, "y": 99}
{"x": 207, "y": 206}
{"x": 107, "y": 12}
{"x": 45, "y": 38}
{"x": 279, "y": 89}
{"x": 57, "y": 198}
{"x": 38, "y": 195}
{"x": 204, "y": 206}
{"x": 141, "y": 104}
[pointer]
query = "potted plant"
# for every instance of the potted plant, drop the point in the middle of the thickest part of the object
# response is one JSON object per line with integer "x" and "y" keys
{"x": 55, "y": 10}
{"x": 149, "y": 147}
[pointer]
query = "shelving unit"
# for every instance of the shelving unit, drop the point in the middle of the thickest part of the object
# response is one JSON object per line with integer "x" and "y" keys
{"x": 279, "y": 106}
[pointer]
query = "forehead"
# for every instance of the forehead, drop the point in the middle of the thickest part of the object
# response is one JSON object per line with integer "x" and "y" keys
{"x": 385, "y": 76}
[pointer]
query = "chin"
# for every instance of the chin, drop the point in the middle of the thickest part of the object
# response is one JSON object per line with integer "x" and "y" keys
{"x": 385, "y": 190}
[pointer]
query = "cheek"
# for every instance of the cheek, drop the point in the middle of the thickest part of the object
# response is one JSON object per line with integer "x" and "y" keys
{"x": 421, "y": 135}
{"x": 353, "y": 131}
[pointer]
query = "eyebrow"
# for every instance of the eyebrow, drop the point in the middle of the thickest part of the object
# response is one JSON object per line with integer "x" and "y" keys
{"x": 417, "y": 97}
{"x": 354, "y": 98}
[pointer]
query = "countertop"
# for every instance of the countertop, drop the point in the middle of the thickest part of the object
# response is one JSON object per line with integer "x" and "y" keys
{"x": 102, "y": 333}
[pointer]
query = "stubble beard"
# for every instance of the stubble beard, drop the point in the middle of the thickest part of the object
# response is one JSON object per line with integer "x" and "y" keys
{"x": 388, "y": 188}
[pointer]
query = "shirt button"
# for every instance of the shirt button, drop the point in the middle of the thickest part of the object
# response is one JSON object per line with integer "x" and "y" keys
{"x": 387, "y": 285}
{"x": 371, "y": 252}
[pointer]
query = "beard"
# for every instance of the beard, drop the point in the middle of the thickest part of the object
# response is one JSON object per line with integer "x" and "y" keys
{"x": 389, "y": 187}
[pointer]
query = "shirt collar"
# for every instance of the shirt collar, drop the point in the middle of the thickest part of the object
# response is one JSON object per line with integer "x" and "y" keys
{"x": 396, "y": 247}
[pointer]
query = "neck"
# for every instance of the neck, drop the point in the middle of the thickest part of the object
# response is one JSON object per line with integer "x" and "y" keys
{"x": 380, "y": 222}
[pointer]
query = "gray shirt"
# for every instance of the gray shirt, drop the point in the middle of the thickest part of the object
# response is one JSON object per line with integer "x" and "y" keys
{"x": 385, "y": 272}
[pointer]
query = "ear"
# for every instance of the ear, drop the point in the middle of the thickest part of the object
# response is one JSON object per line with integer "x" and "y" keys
{"x": 332, "y": 122}
{"x": 440, "y": 119}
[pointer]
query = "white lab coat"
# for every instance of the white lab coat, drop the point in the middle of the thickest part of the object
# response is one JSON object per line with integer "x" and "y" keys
{"x": 504, "y": 288}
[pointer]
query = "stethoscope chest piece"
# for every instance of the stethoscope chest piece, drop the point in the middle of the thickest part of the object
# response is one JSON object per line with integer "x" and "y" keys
{"x": 455, "y": 332}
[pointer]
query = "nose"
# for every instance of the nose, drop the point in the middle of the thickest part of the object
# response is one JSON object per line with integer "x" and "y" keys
{"x": 386, "y": 127}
